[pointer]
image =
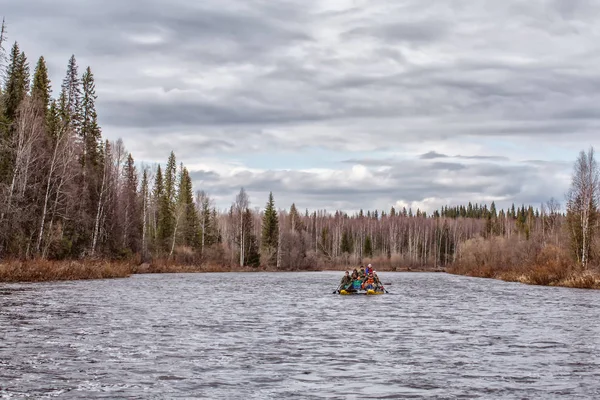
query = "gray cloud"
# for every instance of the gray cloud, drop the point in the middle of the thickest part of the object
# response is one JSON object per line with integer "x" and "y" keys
{"x": 468, "y": 90}
{"x": 432, "y": 155}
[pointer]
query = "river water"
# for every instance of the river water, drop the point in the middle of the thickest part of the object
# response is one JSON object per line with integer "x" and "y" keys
{"x": 285, "y": 335}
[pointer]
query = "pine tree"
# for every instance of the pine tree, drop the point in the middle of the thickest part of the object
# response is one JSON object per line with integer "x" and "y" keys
{"x": 90, "y": 133}
{"x": 270, "y": 231}
{"x": 167, "y": 201}
{"x": 41, "y": 90}
{"x": 158, "y": 196}
{"x": 346, "y": 243}
{"x": 251, "y": 254}
{"x": 70, "y": 97}
{"x": 17, "y": 82}
{"x": 205, "y": 232}
{"x": 170, "y": 178}
{"x": 368, "y": 247}
{"x": 16, "y": 88}
{"x": 144, "y": 194}
{"x": 131, "y": 224}
{"x": 185, "y": 200}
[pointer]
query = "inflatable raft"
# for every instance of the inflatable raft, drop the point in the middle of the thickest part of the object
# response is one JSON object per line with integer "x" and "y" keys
{"x": 369, "y": 292}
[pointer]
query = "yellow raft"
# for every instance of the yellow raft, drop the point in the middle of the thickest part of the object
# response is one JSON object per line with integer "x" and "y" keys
{"x": 369, "y": 292}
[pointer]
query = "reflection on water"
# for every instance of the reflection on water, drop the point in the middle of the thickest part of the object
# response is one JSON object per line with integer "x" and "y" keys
{"x": 285, "y": 335}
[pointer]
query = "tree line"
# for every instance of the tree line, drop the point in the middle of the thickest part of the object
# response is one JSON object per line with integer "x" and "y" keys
{"x": 67, "y": 193}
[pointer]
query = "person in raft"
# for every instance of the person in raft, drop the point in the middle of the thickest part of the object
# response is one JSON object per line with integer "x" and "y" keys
{"x": 377, "y": 281}
{"x": 369, "y": 283}
{"x": 369, "y": 269}
{"x": 346, "y": 281}
{"x": 361, "y": 273}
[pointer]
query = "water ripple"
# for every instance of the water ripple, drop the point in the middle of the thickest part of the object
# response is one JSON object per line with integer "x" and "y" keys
{"x": 261, "y": 336}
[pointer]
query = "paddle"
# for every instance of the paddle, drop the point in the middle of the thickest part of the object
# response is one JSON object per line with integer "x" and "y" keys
{"x": 337, "y": 290}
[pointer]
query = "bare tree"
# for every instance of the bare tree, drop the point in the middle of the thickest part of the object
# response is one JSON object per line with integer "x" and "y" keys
{"x": 582, "y": 201}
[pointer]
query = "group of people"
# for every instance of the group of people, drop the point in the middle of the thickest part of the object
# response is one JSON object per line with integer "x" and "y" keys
{"x": 362, "y": 278}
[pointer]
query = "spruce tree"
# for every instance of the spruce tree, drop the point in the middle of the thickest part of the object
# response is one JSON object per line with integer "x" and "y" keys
{"x": 158, "y": 194}
{"x": 144, "y": 192}
{"x": 41, "y": 90}
{"x": 90, "y": 131}
{"x": 170, "y": 178}
{"x": 368, "y": 247}
{"x": 70, "y": 98}
{"x": 346, "y": 243}
{"x": 167, "y": 201}
{"x": 189, "y": 217}
{"x": 53, "y": 121}
{"x": 17, "y": 82}
{"x": 251, "y": 254}
{"x": 270, "y": 230}
{"x": 130, "y": 200}
{"x": 205, "y": 221}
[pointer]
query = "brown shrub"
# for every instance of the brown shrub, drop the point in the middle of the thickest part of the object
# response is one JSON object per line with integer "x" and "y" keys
{"x": 581, "y": 280}
{"x": 44, "y": 270}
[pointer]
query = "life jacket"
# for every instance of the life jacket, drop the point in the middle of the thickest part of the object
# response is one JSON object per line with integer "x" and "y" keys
{"x": 369, "y": 281}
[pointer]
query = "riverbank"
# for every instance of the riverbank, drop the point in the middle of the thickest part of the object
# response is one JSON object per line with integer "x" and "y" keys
{"x": 47, "y": 271}
{"x": 542, "y": 275}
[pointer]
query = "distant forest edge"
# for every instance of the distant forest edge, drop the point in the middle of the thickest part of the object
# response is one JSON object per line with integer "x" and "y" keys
{"x": 73, "y": 205}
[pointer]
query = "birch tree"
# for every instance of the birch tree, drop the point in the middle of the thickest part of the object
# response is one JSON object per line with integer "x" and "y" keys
{"x": 582, "y": 204}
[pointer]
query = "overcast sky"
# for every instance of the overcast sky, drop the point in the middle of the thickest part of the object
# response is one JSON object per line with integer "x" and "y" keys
{"x": 338, "y": 104}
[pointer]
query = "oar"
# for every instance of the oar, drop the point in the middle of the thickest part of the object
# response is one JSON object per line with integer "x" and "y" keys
{"x": 337, "y": 290}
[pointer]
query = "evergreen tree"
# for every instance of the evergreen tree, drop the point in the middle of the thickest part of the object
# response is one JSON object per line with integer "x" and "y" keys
{"x": 70, "y": 97}
{"x": 144, "y": 194}
{"x": 206, "y": 234}
{"x": 270, "y": 231}
{"x": 251, "y": 254}
{"x": 16, "y": 83}
{"x": 214, "y": 233}
{"x": 158, "y": 195}
{"x": 130, "y": 200}
{"x": 90, "y": 131}
{"x": 170, "y": 178}
{"x": 167, "y": 201}
{"x": 185, "y": 201}
{"x": 346, "y": 243}
{"x": 53, "y": 121}
{"x": 41, "y": 90}
{"x": 368, "y": 247}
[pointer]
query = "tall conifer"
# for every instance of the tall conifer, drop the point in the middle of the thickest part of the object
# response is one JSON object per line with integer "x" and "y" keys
{"x": 41, "y": 89}
{"x": 17, "y": 81}
{"x": 90, "y": 131}
{"x": 270, "y": 230}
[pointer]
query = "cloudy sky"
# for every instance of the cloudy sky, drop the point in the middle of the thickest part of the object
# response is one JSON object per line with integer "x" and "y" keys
{"x": 338, "y": 104}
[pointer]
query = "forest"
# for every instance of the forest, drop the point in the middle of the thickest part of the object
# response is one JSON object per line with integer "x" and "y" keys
{"x": 73, "y": 205}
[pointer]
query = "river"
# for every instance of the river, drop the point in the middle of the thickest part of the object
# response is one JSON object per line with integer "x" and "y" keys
{"x": 285, "y": 335}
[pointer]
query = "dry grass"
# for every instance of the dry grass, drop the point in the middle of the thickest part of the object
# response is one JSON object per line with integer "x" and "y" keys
{"x": 530, "y": 264}
{"x": 394, "y": 263}
{"x": 44, "y": 270}
{"x": 165, "y": 266}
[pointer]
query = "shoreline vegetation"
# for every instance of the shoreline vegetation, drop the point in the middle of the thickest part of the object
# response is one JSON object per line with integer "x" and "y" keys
{"x": 76, "y": 206}
{"x": 30, "y": 271}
